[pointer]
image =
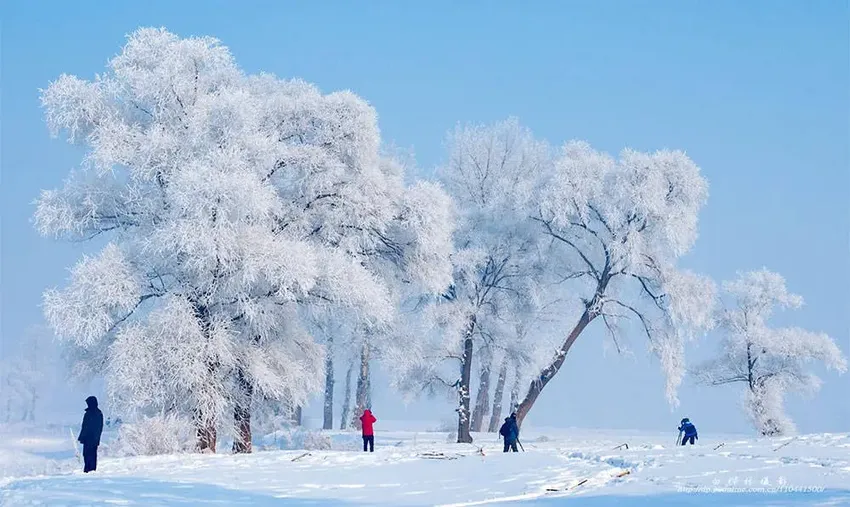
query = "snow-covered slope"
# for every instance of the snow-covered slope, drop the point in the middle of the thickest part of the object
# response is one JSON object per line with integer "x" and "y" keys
{"x": 580, "y": 466}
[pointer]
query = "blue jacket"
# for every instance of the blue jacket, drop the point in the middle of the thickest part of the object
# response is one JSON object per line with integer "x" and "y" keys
{"x": 689, "y": 429}
{"x": 510, "y": 430}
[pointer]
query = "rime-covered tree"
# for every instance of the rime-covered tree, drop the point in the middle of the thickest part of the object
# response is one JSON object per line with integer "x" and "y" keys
{"x": 28, "y": 373}
{"x": 491, "y": 174}
{"x": 617, "y": 229}
{"x": 232, "y": 203}
{"x": 770, "y": 362}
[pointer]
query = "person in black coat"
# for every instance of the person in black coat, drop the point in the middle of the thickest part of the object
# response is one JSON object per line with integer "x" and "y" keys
{"x": 90, "y": 434}
{"x": 510, "y": 432}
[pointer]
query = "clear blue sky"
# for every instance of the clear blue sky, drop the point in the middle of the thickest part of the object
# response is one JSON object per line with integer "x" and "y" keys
{"x": 757, "y": 92}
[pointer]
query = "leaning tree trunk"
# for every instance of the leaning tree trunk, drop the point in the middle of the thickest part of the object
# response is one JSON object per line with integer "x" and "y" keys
{"x": 482, "y": 398}
{"x": 346, "y": 401}
{"x": 496, "y": 415}
{"x": 328, "y": 422}
{"x": 361, "y": 401}
{"x": 549, "y": 372}
{"x": 592, "y": 309}
{"x": 463, "y": 419}
{"x": 242, "y": 414}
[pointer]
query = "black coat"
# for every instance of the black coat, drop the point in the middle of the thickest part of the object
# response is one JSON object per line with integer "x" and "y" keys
{"x": 510, "y": 430}
{"x": 92, "y": 424}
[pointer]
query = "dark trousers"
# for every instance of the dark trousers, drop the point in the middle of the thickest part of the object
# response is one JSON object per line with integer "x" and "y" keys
{"x": 687, "y": 438}
{"x": 89, "y": 458}
{"x": 510, "y": 446}
{"x": 370, "y": 441}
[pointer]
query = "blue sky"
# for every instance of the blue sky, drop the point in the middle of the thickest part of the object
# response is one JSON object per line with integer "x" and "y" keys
{"x": 757, "y": 93}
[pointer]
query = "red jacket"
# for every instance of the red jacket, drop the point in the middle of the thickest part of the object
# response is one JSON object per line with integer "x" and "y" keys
{"x": 366, "y": 421}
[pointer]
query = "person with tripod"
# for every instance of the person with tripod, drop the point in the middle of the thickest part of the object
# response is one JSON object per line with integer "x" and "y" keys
{"x": 510, "y": 432}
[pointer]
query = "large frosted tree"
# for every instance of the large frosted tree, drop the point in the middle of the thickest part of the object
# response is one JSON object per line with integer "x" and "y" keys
{"x": 617, "y": 229}
{"x": 769, "y": 362}
{"x": 491, "y": 173}
{"x": 230, "y": 204}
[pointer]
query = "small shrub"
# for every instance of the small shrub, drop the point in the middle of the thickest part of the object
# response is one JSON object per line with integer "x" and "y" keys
{"x": 149, "y": 436}
{"x": 316, "y": 441}
{"x": 297, "y": 439}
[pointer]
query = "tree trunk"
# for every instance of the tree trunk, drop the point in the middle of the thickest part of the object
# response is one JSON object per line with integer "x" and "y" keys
{"x": 346, "y": 401}
{"x": 328, "y": 422}
{"x": 482, "y": 398}
{"x": 206, "y": 433}
{"x": 296, "y": 415}
{"x": 750, "y": 364}
{"x": 496, "y": 415}
{"x": 361, "y": 399}
{"x": 369, "y": 390}
{"x": 242, "y": 414}
{"x": 463, "y": 419}
{"x": 515, "y": 389}
{"x": 549, "y": 372}
{"x": 205, "y": 425}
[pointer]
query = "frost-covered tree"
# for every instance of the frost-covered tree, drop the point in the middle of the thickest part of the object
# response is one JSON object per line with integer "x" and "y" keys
{"x": 27, "y": 374}
{"x": 769, "y": 361}
{"x": 232, "y": 204}
{"x": 492, "y": 176}
{"x": 618, "y": 228}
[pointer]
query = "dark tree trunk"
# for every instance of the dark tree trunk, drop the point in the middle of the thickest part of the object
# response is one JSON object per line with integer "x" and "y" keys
{"x": 296, "y": 415}
{"x": 496, "y": 415}
{"x": 242, "y": 414}
{"x": 346, "y": 400}
{"x": 205, "y": 425}
{"x": 463, "y": 419}
{"x": 751, "y": 362}
{"x": 328, "y": 422}
{"x": 206, "y": 433}
{"x": 361, "y": 400}
{"x": 482, "y": 398}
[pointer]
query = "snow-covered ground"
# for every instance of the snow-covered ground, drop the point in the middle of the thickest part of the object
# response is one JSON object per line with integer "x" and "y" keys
{"x": 39, "y": 468}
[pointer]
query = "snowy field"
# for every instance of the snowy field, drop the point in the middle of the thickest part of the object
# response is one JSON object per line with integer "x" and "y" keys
{"x": 38, "y": 467}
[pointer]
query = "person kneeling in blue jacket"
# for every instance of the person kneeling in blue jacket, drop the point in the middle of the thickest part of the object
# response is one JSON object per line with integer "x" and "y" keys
{"x": 690, "y": 431}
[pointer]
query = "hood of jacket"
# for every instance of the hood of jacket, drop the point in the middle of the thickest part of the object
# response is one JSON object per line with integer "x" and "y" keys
{"x": 91, "y": 401}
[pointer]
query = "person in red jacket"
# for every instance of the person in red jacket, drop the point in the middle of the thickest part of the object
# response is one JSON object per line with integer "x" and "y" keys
{"x": 366, "y": 422}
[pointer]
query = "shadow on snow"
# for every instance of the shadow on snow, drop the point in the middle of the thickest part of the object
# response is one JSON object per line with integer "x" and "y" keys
{"x": 97, "y": 491}
{"x": 825, "y": 498}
